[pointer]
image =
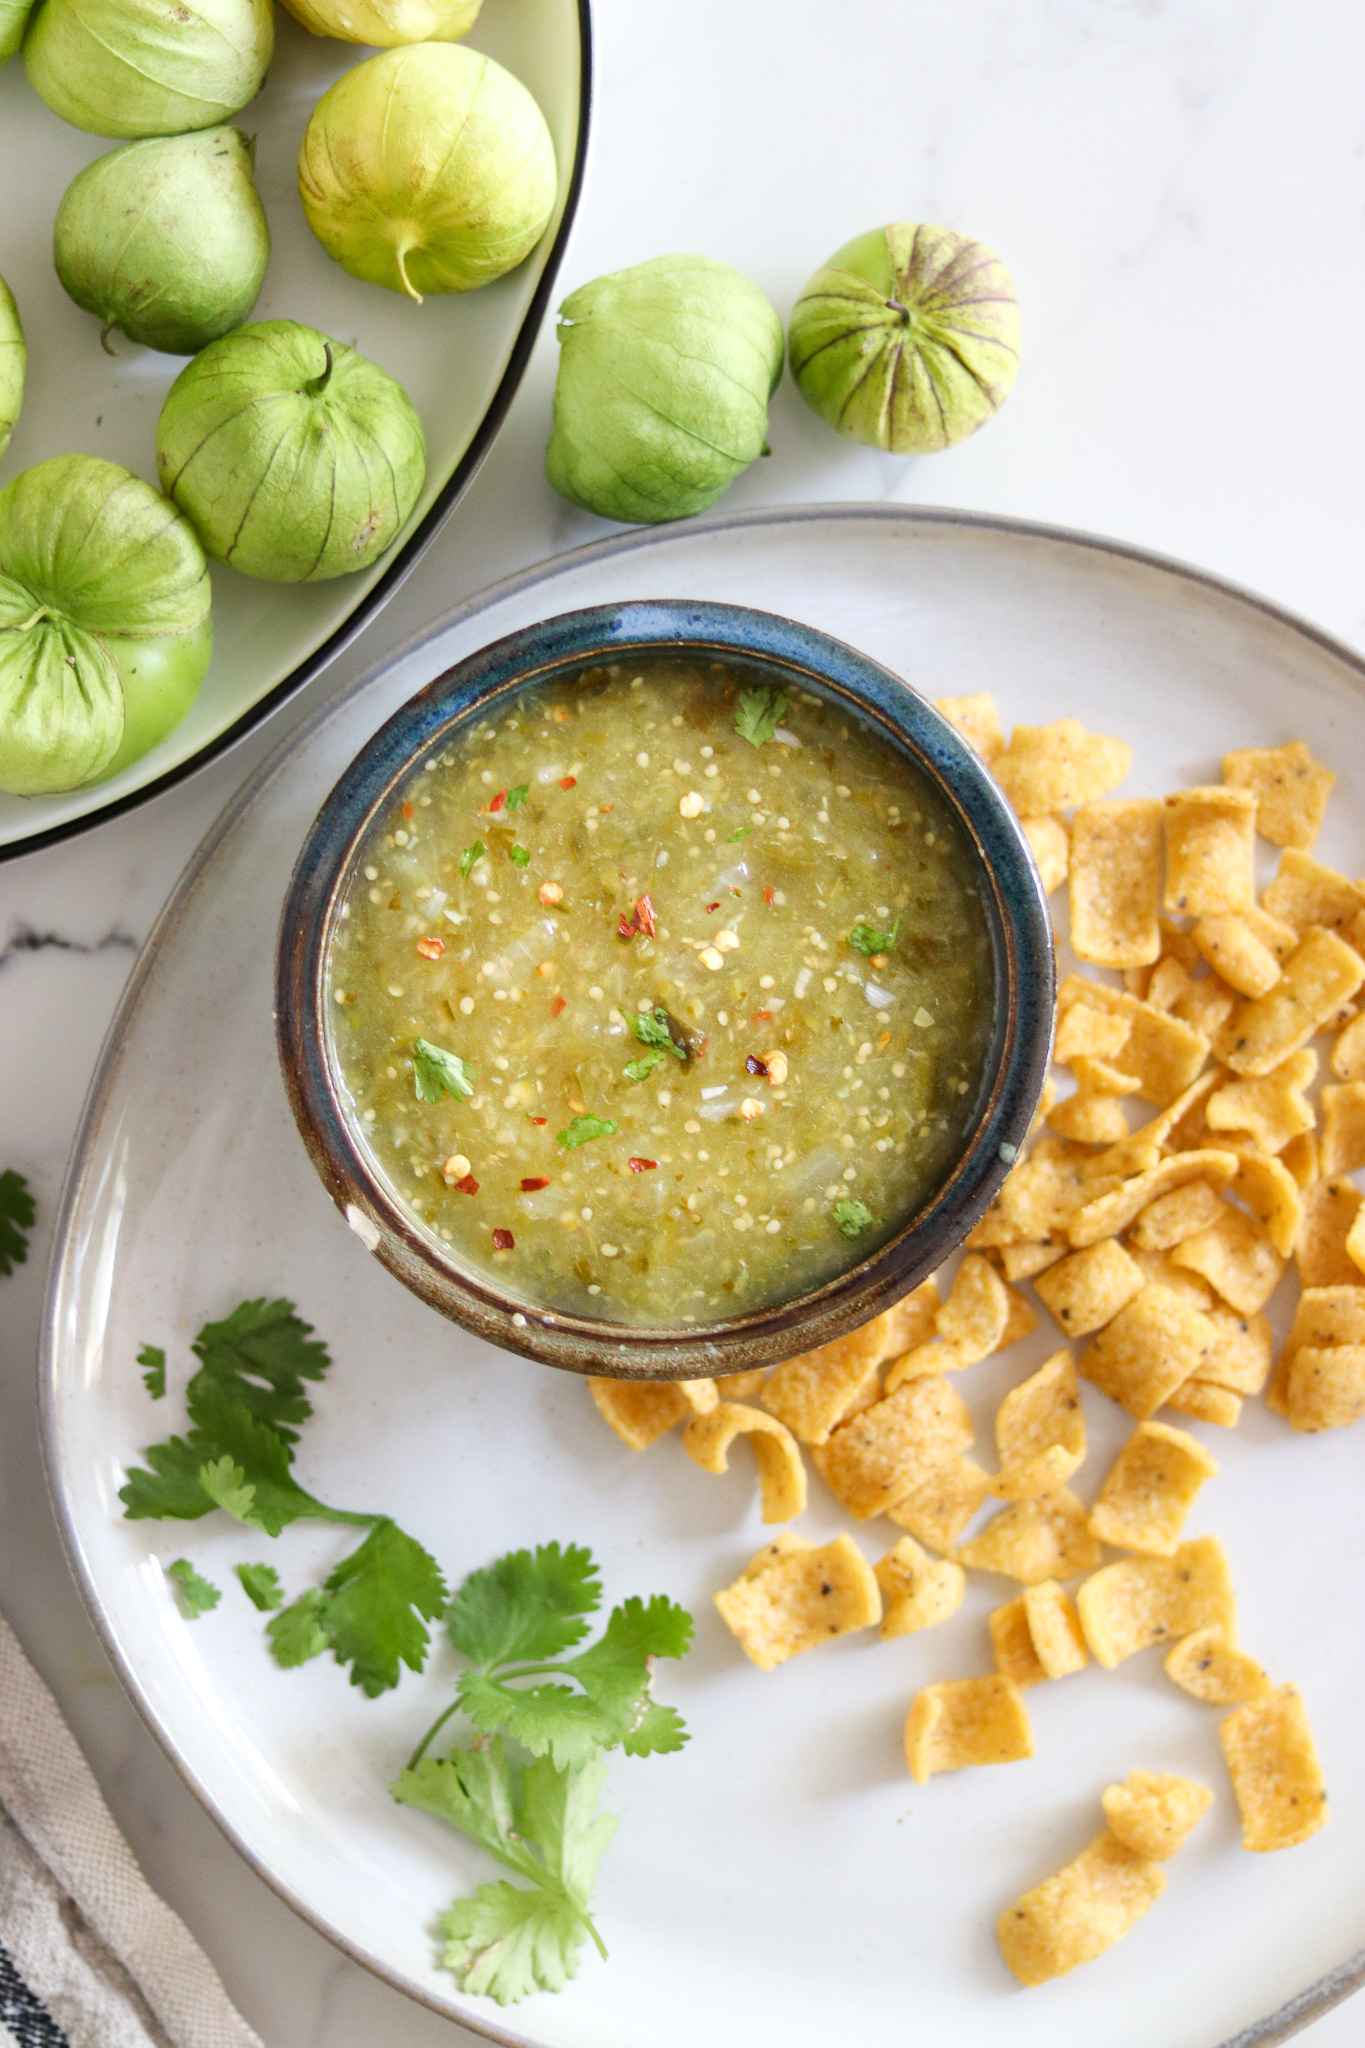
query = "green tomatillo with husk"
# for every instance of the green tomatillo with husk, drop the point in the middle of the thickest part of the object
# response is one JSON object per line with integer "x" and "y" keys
{"x": 130, "y": 68}
{"x": 105, "y": 634}
{"x": 166, "y": 239}
{"x": 14, "y": 16}
{"x": 295, "y": 458}
{"x": 665, "y": 372}
{"x": 907, "y": 339}
{"x": 386, "y": 23}
{"x": 13, "y": 364}
{"x": 428, "y": 169}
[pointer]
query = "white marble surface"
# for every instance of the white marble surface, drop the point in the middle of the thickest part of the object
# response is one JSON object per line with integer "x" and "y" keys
{"x": 1178, "y": 187}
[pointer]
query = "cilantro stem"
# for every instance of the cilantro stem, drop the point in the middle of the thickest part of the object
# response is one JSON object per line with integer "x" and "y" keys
{"x": 323, "y": 1514}
{"x": 437, "y": 1725}
{"x": 586, "y": 1918}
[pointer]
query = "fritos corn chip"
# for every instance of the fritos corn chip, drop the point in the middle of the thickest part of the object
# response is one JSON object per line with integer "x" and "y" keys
{"x": 1040, "y": 1431}
{"x": 1114, "y": 1211}
{"x": 1236, "y": 954}
{"x": 1055, "y": 767}
{"x": 740, "y": 1386}
{"x": 977, "y": 1309}
{"x": 1055, "y": 1626}
{"x": 1087, "y": 1290}
{"x": 1012, "y": 1643}
{"x": 1319, "y": 975}
{"x": 794, "y": 1596}
{"x": 1291, "y": 790}
{"x": 1150, "y": 1488}
{"x": 1271, "y": 1193}
{"x": 1304, "y": 893}
{"x": 1205, "y": 1006}
{"x": 1098, "y": 1077}
{"x": 1128, "y": 1606}
{"x": 1237, "y": 1259}
{"x": 939, "y": 1508}
{"x": 1300, "y": 1160}
{"x": 1175, "y": 1216}
{"x": 1275, "y": 1772}
{"x": 1086, "y": 1030}
{"x": 871, "y": 1462}
{"x": 1273, "y": 1109}
{"x": 978, "y": 721}
{"x": 1022, "y": 1261}
{"x": 1210, "y": 850}
{"x": 1153, "y": 1814}
{"x": 1348, "y": 1054}
{"x": 1210, "y": 1665}
{"x": 782, "y": 1477}
{"x": 1342, "y": 1146}
{"x": 1075, "y": 1916}
{"x": 1051, "y": 848}
{"x": 1158, "y": 1271}
{"x": 1330, "y": 1210}
{"x": 1046, "y": 1537}
{"x": 1240, "y": 1359}
{"x": 1116, "y": 882}
{"x": 1160, "y": 1053}
{"x": 1324, "y": 1386}
{"x": 641, "y": 1411}
{"x": 965, "y": 1721}
{"x": 1151, "y": 1347}
{"x": 1205, "y": 1401}
{"x": 1038, "y": 1197}
{"x": 814, "y": 1392}
{"x": 918, "y": 1591}
{"x": 1091, "y": 1118}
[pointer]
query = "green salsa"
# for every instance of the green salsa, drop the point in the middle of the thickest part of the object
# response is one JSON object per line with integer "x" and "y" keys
{"x": 661, "y": 996}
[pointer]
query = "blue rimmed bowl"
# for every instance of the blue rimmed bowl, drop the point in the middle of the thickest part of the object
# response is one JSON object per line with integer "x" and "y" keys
{"x": 762, "y": 648}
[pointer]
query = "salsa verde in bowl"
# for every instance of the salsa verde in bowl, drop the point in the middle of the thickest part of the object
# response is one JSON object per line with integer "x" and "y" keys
{"x": 664, "y": 990}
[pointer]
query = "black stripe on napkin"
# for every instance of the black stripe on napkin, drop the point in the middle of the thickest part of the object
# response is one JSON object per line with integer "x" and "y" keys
{"x": 31, "y": 2024}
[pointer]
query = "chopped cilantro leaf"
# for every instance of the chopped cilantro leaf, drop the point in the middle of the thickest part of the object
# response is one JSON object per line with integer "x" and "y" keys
{"x": 17, "y": 1214}
{"x": 759, "y": 713}
{"x": 743, "y": 833}
{"x": 521, "y": 856}
{"x": 152, "y": 1359}
{"x": 853, "y": 1217}
{"x": 298, "y": 1634}
{"x": 867, "y": 940}
{"x": 261, "y": 1584}
{"x": 261, "y": 1355}
{"x": 517, "y": 797}
{"x": 641, "y": 1069}
{"x": 470, "y": 855}
{"x": 197, "y": 1596}
{"x": 529, "y": 1605}
{"x": 651, "y": 1027}
{"x": 436, "y": 1072}
{"x": 379, "y": 1601}
{"x": 582, "y": 1129}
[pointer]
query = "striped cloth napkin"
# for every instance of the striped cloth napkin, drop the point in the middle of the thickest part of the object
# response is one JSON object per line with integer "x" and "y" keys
{"x": 90, "y": 1957}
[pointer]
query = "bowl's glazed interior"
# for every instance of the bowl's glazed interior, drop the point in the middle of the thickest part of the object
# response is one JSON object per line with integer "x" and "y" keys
{"x": 760, "y": 650}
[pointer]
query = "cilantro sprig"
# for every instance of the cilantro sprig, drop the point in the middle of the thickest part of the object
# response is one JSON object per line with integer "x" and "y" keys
{"x": 581, "y": 1130}
{"x": 517, "y": 797}
{"x": 867, "y": 940}
{"x": 759, "y": 713}
{"x": 17, "y": 1216}
{"x": 517, "y": 1621}
{"x": 436, "y": 1072}
{"x": 853, "y": 1217}
{"x": 245, "y": 1404}
{"x": 470, "y": 855}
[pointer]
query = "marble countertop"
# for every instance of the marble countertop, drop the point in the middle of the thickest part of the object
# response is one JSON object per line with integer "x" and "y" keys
{"x": 1178, "y": 187}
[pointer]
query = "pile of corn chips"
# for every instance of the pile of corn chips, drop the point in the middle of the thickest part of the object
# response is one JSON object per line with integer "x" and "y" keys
{"x": 1155, "y": 1244}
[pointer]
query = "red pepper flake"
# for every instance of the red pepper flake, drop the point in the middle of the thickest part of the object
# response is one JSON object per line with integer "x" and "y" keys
{"x": 409, "y": 811}
{"x": 710, "y": 907}
{"x": 768, "y": 895}
{"x": 644, "y": 916}
{"x": 467, "y": 1186}
{"x": 642, "y": 1165}
{"x": 431, "y": 949}
{"x": 567, "y": 781}
{"x": 761, "y": 1017}
{"x": 753, "y": 1066}
{"x": 625, "y": 927}
{"x": 540, "y": 1119}
{"x": 499, "y": 800}
{"x": 503, "y": 1241}
{"x": 559, "y": 1003}
{"x": 604, "y": 808}
{"x": 530, "y": 1187}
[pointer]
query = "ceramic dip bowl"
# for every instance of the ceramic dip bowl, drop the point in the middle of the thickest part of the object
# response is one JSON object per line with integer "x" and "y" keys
{"x": 491, "y": 1234}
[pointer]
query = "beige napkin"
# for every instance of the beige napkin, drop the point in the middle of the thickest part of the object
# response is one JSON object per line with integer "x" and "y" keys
{"x": 89, "y": 1955}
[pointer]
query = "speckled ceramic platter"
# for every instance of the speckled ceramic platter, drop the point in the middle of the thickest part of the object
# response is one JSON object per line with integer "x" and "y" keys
{"x": 460, "y": 359}
{"x": 781, "y": 1879}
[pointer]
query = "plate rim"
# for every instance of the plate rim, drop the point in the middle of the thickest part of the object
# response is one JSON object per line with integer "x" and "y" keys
{"x": 1296, "y": 2012}
{"x": 409, "y": 554}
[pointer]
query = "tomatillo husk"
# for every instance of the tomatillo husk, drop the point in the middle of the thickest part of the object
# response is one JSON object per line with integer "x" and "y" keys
{"x": 907, "y": 339}
{"x": 385, "y": 23}
{"x": 105, "y": 632}
{"x": 13, "y": 364}
{"x": 130, "y": 68}
{"x": 166, "y": 239}
{"x": 665, "y": 372}
{"x": 428, "y": 169}
{"x": 296, "y": 458}
{"x": 13, "y": 20}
